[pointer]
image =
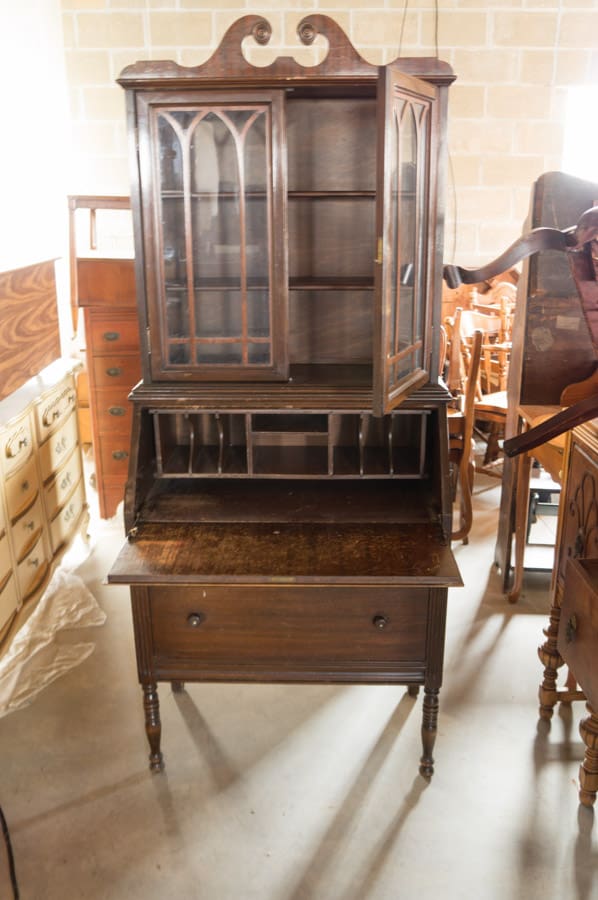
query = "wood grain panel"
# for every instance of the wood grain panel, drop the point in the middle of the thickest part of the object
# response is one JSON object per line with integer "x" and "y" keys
{"x": 29, "y": 335}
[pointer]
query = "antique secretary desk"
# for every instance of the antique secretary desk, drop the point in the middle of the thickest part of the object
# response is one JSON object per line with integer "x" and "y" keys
{"x": 288, "y": 508}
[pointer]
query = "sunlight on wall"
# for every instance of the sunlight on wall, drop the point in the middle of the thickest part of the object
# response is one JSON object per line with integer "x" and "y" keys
{"x": 33, "y": 150}
{"x": 580, "y": 151}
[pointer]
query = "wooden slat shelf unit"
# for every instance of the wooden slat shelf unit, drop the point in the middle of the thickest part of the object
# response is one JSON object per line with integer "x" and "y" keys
{"x": 208, "y": 443}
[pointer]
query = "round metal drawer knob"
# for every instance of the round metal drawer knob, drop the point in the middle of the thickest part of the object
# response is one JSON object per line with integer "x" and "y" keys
{"x": 194, "y": 620}
{"x": 380, "y": 622}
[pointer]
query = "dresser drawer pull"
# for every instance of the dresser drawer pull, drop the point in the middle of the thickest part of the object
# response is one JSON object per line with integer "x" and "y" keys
{"x": 33, "y": 562}
{"x": 119, "y": 454}
{"x": 30, "y": 525}
{"x": 571, "y": 629}
{"x": 50, "y": 416}
{"x": 111, "y": 335}
{"x": 114, "y": 371}
{"x": 380, "y": 622}
{"x": 117, "y": 411}
{"x": 13, "y": 450}
{"x": 194, "y": 620}
{"x": 25, "y": 486}
{"x": 66, "y": 481}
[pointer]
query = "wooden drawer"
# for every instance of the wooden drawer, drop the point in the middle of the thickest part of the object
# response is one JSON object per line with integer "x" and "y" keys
{"x": 578, "y": 626}
{"x": 16, "y": 444}
{"x": 55, "y": 408}
{"x": 110, "y": 334}
{"x": 32, "y": 570}
{"x": 106, "y": 282}
{"x": 114, "y": 450}
{"x": 114, "y": 412}
{"x": 64, "y": 523}
{"x": 27, "y": 528}
{"x": 59, "y": 488}
{"x": 289, "y": 629}
{"x": 9, "y": 601}
{"x": 5, "y": 558}
{"x": 116, "y": 371}
{"x": 21, "y": 488}
{"x": 58, "y": 447}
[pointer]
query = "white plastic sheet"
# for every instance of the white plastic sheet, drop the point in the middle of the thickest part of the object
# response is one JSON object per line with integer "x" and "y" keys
{"x": 35, "y": 657}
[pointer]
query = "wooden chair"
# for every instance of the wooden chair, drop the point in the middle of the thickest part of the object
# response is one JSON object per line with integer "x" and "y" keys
{"x": 490, "y": 405}
{"x": 463, "y": 371}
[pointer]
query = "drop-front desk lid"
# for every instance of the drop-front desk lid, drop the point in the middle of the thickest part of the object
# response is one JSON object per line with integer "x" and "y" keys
{"x": 286, "y": 553}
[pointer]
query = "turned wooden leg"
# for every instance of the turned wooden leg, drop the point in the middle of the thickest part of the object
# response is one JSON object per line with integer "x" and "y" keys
{"x": 177, "y": 687}
{"x": 153, "y": 726}
{"x": 413, "y": 690}
{"x": 429, "y": 724}
{"x": 588, "y": 771}
{"x": 552, "y": 661}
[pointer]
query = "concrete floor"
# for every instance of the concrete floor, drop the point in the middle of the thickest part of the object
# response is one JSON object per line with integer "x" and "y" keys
{"x": 304, "y": 793}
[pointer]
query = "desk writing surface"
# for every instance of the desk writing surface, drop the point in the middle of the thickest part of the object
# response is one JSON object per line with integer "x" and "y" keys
{"x": 267, "y": 553}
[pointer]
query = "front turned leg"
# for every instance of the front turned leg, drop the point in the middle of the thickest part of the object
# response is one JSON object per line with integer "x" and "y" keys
{"x": 588, "y": 771}
{"x": 429, "y": 724}
{"x": 153, "y": 726}
{"x": 552, "y": 661}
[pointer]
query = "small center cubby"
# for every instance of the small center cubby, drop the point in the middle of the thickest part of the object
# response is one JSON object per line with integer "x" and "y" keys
{"x": 208, "y": 444}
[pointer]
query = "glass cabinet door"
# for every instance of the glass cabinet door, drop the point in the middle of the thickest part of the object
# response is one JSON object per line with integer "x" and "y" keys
{"x": 404, "y": 228}
{"x": 213, "y": 200}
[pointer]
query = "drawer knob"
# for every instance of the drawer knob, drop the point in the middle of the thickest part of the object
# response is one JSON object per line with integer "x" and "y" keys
{"x": 111, "y": 335}
{"x": 119, "y": 454}
{"x": 114, "y": 371}
{"x": 571, "y": 629}
{"x": 380, "y": 622}
{"x": 117, "y": 411}
{"x": 194, "y": 620}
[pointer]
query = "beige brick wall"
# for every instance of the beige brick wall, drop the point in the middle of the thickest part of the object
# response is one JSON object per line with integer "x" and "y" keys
{"x": 514, "y": 60}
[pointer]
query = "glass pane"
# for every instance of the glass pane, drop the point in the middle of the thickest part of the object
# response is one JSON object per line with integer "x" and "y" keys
{"x": 258, "y": 354}
{"x": 408, "y": 235}
{"x": 218, "y": 314}
{"x": 177, "y": 315}
{"x": 215, "y": 211}
{"x": 258, "y": 314}
{"x": 393, "y": 218}
{"x": 257, "y": 240}
{"x": 178, "y": 355}
{"x": 171, "y": 156}
{"x": 173, "y": 240}
{"x": 219, "y": 354}
{"x": 255, "y": 155}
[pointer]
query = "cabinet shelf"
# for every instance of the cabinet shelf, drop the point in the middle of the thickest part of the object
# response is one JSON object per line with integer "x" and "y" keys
{"x": 331, "y": 195}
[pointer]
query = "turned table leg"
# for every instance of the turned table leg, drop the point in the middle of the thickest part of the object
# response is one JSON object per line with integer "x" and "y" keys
{"x": 429, "y": 725}
{"x": 552, "y": 661}
{"x": 588, "y": 771}
{"x": 153, "y": 726}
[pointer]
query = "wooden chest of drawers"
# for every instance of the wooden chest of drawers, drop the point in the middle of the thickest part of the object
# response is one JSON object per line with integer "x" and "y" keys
{"x": 106, "y": 292}
{"x": 42, "y": 501}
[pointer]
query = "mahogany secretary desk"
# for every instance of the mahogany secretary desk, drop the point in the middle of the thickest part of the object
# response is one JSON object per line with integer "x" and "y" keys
{"x": 288, "y": 508}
